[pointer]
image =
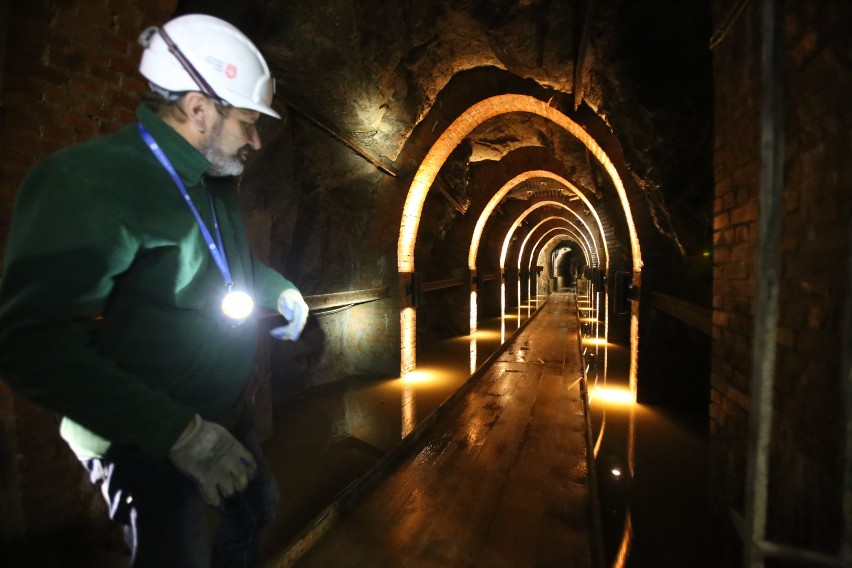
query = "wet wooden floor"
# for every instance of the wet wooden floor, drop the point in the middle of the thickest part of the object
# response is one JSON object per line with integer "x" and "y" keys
{"x": 499, "y": 477}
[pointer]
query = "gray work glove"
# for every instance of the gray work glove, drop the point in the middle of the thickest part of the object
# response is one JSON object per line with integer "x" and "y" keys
{"x": 214, "y": 459}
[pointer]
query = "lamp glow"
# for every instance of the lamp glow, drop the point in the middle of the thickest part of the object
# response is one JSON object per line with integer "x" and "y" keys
{"x": 237, "y": 305}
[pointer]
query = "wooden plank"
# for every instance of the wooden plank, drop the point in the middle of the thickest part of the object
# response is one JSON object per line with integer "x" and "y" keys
{"x": 499, "y": 479}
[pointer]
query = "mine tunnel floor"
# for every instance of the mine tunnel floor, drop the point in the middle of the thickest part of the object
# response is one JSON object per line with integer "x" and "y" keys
{"x": 499, "y": 477}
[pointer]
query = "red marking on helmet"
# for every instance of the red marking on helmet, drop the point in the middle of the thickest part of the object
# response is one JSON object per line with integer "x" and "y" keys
{"x": 231, "y": 71}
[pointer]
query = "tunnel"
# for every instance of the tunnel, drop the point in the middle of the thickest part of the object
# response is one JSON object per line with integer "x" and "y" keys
{"x": 446, "y": 171}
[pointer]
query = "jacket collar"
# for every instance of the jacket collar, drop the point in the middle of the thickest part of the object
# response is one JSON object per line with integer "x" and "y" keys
{"x": 187, "y": 161}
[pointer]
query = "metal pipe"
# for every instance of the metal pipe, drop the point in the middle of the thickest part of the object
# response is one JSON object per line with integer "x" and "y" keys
{"x": 334, "y": 133}
{"x": 846, "y": 393}
{"x": 325, "y": 301}
{"x": 768, "y": 279}
{"x": 726, "y": 26}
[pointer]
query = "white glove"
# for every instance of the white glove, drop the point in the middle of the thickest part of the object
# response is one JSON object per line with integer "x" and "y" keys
{"x": 214, "y": 459}
{"x": 292, "y": 306}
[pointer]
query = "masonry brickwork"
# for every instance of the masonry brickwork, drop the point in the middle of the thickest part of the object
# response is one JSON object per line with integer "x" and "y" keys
{"x": 806, "y": 484}
{"x": 69, "y": 74}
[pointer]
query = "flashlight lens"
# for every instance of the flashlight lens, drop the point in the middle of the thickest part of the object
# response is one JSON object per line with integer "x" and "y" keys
{"x": 237, "y": 305}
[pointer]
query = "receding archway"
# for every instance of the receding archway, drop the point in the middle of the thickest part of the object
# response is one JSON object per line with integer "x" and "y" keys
{"x": 431, "y": 165}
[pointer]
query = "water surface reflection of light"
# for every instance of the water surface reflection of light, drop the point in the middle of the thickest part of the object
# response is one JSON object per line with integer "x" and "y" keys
{"x": 613, "y": 395}
{"x": 418, "y": 376}
{"x": 594, "y": 341}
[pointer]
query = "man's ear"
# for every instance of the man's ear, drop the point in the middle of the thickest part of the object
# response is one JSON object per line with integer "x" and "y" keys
{"x": 197, "y": 108}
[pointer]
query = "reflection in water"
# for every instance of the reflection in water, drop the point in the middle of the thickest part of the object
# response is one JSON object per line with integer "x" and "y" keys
{"x": 472, "y": 332}
{"x": 502, "y": 313}
{"x": 409, "y": 408}
{"x": 613, "y": 413}
{"x": 623, "y": 553}
{"x": 325, "y": 441}
{"x": 334, "y": 434}
{"x": 519, "y": 302}
{"x": 612, "y": 395}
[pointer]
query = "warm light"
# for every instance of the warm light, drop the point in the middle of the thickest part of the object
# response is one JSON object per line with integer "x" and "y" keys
{"x": 237, "y": 305}
{"x": 503, "y": 191}
{"x": 408, "y": 323}
{"x": 620, "y": 560}
{"x": 502, "y": 313}
{"x": 418, "y": 377}
{"x": 473, "y": 321}
{"x": 594, "y": 341}
{"x": 612, "y": 395}
{"x": 588, "y": 320}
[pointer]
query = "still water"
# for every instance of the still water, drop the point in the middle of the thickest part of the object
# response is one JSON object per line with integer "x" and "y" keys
{"x": 650, "y": 462}
{"x": 332, "y": 435}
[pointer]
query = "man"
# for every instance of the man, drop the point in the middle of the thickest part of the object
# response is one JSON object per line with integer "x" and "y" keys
{"x": 126, "y": 301}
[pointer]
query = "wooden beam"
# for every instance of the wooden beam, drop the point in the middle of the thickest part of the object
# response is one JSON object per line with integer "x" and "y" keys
{"x": 441, "y": 284}
{"x": 689, "y": 313}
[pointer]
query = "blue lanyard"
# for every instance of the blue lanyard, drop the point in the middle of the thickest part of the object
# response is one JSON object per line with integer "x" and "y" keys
{"x": 217, "y": 251}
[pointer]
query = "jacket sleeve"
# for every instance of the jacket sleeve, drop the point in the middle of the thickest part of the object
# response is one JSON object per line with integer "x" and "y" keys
{"x": 66, "y": 249}
{"x": 269, "y": 284}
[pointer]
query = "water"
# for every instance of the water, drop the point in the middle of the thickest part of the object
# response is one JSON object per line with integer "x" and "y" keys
{"x": 650, "y": 465}
{"x": 331, "y": 436}
{"x": 651, "y": 473}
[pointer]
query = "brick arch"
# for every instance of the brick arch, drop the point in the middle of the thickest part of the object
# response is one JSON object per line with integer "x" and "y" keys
{"x": 458, "y": 130}
{"x": 511, "y": 184}
{"x": 592, "y": 246}
{"x": 431, "y": 165}
{"x": 562, "y": 232}
{"x": 568, "y": 226}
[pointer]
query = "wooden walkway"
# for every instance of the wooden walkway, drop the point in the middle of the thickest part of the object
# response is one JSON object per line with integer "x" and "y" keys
{"x": 499, "y": 478}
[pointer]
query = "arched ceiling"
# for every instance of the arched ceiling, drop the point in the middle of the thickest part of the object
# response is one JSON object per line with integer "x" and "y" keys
{"x": 390, "y": 76}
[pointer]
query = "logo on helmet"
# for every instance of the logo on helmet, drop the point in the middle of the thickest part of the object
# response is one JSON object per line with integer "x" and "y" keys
{"x": 231, "y": 71}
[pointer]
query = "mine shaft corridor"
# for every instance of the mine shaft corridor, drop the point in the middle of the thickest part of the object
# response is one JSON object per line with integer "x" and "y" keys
{"x": 529, "y": 232}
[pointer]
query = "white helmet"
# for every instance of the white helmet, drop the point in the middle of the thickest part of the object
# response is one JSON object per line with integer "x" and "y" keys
{"x": 229, "y": 65}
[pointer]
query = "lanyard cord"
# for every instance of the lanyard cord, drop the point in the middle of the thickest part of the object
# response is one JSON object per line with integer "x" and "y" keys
{"x": 216, "y": 251}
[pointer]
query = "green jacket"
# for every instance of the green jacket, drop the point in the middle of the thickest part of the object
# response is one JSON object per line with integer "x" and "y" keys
{"x": 110, "y": 300}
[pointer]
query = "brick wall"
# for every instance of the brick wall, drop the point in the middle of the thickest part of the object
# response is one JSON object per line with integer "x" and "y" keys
{"x": 68, "y": 74}
{"x": 807, "y": 439}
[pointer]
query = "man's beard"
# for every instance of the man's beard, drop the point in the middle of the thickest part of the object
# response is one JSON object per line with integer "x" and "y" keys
{"x": 222, "y": 165}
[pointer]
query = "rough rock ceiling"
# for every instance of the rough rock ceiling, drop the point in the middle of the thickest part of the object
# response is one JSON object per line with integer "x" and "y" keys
{"x": 375, "y": 70}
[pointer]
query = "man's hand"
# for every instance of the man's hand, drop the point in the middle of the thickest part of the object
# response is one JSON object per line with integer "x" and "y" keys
{"x": 292, "y": 306}
{"x": 209, "y": 455}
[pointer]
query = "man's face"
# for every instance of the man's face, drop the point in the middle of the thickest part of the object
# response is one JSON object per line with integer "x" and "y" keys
{"x": 230, "y": 140}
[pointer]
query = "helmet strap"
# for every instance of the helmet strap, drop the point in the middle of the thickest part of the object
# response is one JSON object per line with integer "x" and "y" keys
{"x": 203, "y": 85}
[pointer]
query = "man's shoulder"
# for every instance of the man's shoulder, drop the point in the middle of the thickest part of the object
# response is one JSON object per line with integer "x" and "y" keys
{"x": 114, "y": 163}
{"x": 102, "y": 149}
